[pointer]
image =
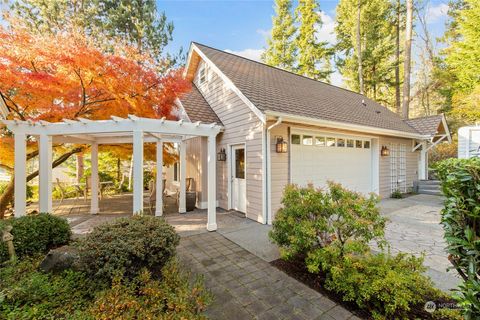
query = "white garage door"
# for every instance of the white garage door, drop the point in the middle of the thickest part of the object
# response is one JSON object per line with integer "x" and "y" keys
{"x": 344, "y": 159}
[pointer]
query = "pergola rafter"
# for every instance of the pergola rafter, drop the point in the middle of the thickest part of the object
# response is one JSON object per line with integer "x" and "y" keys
{"x": 134, "y": 130}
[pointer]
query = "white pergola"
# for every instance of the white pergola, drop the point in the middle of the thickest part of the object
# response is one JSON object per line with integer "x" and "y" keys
{"x": 132, "y": 130}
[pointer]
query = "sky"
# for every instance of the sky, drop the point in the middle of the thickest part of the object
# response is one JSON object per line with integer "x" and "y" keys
{"x": 242, "y": 26}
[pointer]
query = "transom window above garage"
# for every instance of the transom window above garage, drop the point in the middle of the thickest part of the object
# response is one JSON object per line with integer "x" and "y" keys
{"x": 328, "y": 141}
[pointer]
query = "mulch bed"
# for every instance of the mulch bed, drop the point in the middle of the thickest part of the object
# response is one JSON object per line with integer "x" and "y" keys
{"x": 296, "y": 269}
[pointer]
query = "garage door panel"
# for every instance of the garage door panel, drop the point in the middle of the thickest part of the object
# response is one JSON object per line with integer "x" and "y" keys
{"x": 349, "y": 166}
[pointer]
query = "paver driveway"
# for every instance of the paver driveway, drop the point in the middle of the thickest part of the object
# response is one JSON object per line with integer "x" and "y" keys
{"x": 247, "y": 287}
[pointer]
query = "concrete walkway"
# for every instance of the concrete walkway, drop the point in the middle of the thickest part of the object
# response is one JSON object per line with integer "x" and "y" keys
{"x": 414, "y": 227}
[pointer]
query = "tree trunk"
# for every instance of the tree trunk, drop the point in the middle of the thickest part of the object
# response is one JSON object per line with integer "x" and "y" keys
{"x": 359, "y": 48}
{"x": 7, "y": 195}
{"x": 80, "y": 168}
{"x": 397, "y": 60}
{"x": 408, "y": 57}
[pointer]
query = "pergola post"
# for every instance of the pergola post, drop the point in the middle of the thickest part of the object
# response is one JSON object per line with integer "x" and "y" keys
{"x": 159, "y": 183}
{"x": 45, "y": 173}
{"x": 182, "y": 207}
{"x": 137, "y": 172}
{"x": 212, "y": 185}
{"x": 94, "y": 181}
{"x": 20, "y": 174}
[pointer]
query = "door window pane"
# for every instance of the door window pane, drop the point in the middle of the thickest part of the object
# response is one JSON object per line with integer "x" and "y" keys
{"x": 240, "y": 163}
{"x": 340, "y": 142}
{"x": 307, "y": 140}
{"x": 295, "y": 139}
{"x": 330, "y": 142}
{"x": 320, "y": 141}
{"x": 349, "y": 143}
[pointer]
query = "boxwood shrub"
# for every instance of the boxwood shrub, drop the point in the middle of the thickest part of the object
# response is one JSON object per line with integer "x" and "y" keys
{"x": 127, "y": 245}
{"x": 35, "y": 234}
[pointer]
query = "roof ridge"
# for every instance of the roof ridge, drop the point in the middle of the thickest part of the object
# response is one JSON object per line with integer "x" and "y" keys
{"x": 280, "y": 69}
{"x": 424, "y": 117}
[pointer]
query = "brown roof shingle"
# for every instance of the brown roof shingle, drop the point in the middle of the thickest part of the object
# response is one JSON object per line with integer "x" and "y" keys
{"x": 273, "y": 89}
{"x": 426, "y": 125}
{"x": 197, "y": 107}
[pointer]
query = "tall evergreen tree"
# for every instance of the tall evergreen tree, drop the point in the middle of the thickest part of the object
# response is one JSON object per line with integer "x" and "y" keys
{"x": 313, "y": 55}
{"x": 281, "y": 51}
{"x": 407, "y": 59}
{"x": 377, "y": 39}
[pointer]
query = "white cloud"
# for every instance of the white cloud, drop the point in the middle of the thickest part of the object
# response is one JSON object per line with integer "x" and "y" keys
{"x": 254, "y": 54}
{"x": 336, "y": 79}
{"x": 437, "y": 12}
{"x": 264, "y": 33}
{"x": 327, "y": 31}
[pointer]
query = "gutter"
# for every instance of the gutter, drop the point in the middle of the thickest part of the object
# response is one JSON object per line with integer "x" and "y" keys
{"x": 268, "y": 178}
{"x": 344, "y": 126}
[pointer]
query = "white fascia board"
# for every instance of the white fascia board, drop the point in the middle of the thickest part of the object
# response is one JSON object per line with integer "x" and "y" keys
{"x": 230, "y": 84}
{"x": 182, "y": 111}
{"x": 342, "y": 125}
{"x": 189, "y": 59}
{"x": 447, "y": 130}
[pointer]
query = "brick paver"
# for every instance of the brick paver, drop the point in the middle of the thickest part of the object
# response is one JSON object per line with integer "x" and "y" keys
{"x": 246, "y": 287}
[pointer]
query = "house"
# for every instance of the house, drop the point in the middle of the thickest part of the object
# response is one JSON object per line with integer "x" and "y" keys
{"x": 280, "y": 128}
{"x": 469, "y": 142}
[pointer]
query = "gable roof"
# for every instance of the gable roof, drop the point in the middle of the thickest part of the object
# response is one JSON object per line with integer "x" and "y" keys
{"x": 197, "y": 108}
{"x": 277, "y": 90}
{"x": 426, "y": 125}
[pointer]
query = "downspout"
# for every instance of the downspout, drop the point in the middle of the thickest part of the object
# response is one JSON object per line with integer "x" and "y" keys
{"x": 268, "y": 197}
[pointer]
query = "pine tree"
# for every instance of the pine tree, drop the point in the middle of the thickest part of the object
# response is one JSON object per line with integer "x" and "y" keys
{"x": 377, "y": 51}
{"x": 281, "y": 51}
{"x": 313, "y": 55}
{"x": 407, "y": 60}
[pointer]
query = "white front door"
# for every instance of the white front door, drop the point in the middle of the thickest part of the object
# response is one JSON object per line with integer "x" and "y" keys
{"x": 239, "y": 183}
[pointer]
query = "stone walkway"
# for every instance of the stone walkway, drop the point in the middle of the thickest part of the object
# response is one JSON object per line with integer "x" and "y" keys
{"x": 247, "y": 287}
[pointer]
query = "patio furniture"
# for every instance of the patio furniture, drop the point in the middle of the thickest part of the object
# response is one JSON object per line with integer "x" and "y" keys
{"x": 64, "y": 193}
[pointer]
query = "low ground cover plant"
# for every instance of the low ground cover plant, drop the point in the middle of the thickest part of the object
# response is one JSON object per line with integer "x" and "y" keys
{"x": 460, "y": 182}
{"x": 330, "y": 229}
{"x": 130, "y": 273}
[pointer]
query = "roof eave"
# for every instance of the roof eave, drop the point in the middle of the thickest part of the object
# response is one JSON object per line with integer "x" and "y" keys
{"x": 344, "y": 125}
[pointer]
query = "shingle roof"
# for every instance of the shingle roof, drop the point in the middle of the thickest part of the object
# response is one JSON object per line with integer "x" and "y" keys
{"x": 197, "y": 108}
{"x": 426, "y": 125}
{"x": 273, "y": 89}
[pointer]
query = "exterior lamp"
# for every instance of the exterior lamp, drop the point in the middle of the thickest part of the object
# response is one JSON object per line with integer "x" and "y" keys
{"x": 281, "y": 146}
{"x": 221, "y": 155}
{"x": 385, "y": 151}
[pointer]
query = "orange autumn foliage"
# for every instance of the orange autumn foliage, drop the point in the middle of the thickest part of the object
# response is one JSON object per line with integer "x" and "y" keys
{"x": 64, "y": 76}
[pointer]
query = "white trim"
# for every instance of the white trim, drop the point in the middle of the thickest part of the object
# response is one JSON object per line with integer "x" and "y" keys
{"x": 327, "y": 132}
{"x": 227, "y": 81}
{"x": 445, "y": 126}
{"x": 268, "y": 156}
{"x": 183, "y": 112}
{"x": 342, "y": 126}
{"x": 231, "y": 172}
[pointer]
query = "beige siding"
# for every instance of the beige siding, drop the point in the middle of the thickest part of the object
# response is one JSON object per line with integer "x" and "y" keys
{"x": 241, "y": 126}
{"x": 280, "y": 167}
{"x": 197, "y": 168}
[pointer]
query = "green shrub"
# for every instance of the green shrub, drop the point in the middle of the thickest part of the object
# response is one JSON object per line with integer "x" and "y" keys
{"x": 388, "y": 286}
{"x": 145, "y": 298}
{"x": 315, "y": 218}
{"x": 460, "y": 182}
{"x": 35, "y": 234}
{"x": 397, "y": 194}
{"x": 26, "y": 293}
{"x": 126, "y": 246}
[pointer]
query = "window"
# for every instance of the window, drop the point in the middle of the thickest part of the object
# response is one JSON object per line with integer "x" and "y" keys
{"x": 366, "y": 144}
{"x": 176, "y": 172}
{"x": 330, "y": 142}
{"x": 349, "y": 143}
{"x": 240, "y": 163}
{"x": 202, "y": 75}
{"x": 340, "y": 142}
{"x": 307, "y": 140}
{"x": 358, "y": 143}
{"x": 295, "y": 139}
{"x": 320, "y": 141}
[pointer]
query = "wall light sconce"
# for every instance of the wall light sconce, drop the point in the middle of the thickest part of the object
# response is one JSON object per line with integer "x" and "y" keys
{"x": 221, "y": 155}
{"x": 385, "y": 151}
{"x": 281, "y": 146}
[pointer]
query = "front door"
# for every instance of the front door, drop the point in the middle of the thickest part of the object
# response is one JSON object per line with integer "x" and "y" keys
{"x": 239, "y": 183}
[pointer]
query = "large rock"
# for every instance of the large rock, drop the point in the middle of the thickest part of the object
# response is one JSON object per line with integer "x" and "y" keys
{"x": 60, "y": 259}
